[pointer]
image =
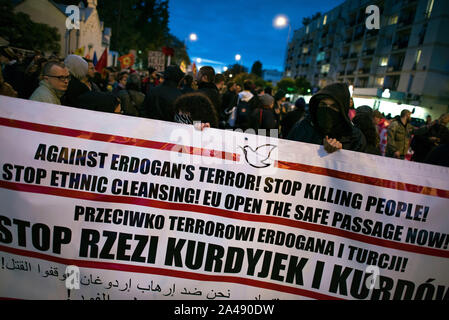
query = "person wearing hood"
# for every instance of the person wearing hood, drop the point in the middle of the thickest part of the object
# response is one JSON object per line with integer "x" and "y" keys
{"x": 54, "y": 84}
{"x": 328, "y": 123}
{"x": 159, "y": 102}
{"x": 78, "y": 84}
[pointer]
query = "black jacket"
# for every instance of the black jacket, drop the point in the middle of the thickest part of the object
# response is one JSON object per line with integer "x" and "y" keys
{"x": 132, "y": 102}
{"x": 211, "y": 91}
{"x": 263, "y": 118}
{"x": 159, "y": 103}
{"x": 75, "y": 89}
{"x": 308, "y": 131}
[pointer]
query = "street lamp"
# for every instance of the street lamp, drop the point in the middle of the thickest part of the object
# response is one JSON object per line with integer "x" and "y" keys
{"x": 193, "y": 37}
{"x": 238, "y": 58}
{"x": 280, "y": 22}
{"x": 198, "y": 60}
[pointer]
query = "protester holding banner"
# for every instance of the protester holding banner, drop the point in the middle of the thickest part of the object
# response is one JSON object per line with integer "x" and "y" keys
{"x": 196, "y": 107}
{"x": 328, "y": 122}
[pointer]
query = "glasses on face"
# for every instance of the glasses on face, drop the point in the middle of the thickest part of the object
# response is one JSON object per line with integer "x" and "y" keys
{"x": 61, "y": 78}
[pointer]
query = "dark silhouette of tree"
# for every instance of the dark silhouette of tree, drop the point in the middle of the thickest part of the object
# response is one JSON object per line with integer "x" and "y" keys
{"x": 256, "y": 69}
{"x": 20, "y": 31}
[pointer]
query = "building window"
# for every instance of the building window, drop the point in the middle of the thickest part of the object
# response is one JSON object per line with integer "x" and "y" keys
{"x": 307, "y": 29}
{"x": 325, "y": 68}
{"x": 383, "y": 61}
{"x": 325, "y": 20}
{"x": 305, "y": 50}
{"x": 429, "y": 8}
{"x": 320, "y": 56}
{"x": 418, "y": 56}
{"x": 393, "y": 20}
{"x": 380, "y": 81}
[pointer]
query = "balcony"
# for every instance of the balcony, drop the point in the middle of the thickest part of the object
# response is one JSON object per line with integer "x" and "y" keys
{"x": 394, "y": 68}
{"x": 368, "y": 52}
{"x": 372, "y": 33}
{"x": 400, "y": 44}
{"x": 366, "y": 70}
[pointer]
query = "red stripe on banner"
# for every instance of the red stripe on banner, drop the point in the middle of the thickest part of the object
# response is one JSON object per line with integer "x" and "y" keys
{"x": 396, "y": 185}
{"x": 37, "y": 127}
{"x": 170, "y": 273}
{"x": 363, "y": 179}
{"x": 222, "y": 213}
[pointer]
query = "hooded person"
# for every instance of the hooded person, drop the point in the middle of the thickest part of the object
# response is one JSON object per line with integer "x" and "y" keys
{"x": 328, "y": 123}
{"x": 159, "y": 102}
{"x": 78, "y": 69}
{"x": 364, "y": 120}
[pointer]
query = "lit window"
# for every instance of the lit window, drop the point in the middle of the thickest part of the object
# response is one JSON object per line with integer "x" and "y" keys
{"x": 307, "y": 29}
{"x": 429, "y": 8}
{"x": 325, "y": 68}
{"x": 325, "y": 20}
{"x": 320, "y": 56}
{"x": 305, "y": 50}
{"x": 383, "y": 62}
{"x": 393, "y": 20}
{"x": 418, "y": 56}
{"x": 380, "y": 81}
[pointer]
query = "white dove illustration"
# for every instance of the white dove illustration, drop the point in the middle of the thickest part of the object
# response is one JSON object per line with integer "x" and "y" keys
{"x": 260, "y": 157}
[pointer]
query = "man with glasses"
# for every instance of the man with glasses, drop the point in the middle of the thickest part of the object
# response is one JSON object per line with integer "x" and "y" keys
{"x": 328, "y": 123}
{"x": 54, "y": 84}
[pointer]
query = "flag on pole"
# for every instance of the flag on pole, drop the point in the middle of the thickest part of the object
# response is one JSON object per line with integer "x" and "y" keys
{"x": 80, "y": 52}
{"x": 103, "y": 62}
{"x": 127, "y": 61}
{"x": 95, "y": 59}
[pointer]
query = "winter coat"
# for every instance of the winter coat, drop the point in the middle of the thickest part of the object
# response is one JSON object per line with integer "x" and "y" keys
{"x": 307, "y": 130}
{"x": 159, "y": 102}
{"x": 421, "y": 143}
{"x": 398, "y": 138}
{"x": 132, "y": 102}
{"x": 45, "y": 93}
{"x": 75, "y": 89}
{"x": 211, "y": 91}
{"x": 263, "y": 118}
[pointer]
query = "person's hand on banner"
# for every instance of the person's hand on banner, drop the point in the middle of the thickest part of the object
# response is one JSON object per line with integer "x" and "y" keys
{"x": 331, "y": 145}
{"x": 200, "y": 125}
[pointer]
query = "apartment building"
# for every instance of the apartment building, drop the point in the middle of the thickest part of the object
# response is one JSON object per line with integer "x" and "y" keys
{"x": 409, "y": 54}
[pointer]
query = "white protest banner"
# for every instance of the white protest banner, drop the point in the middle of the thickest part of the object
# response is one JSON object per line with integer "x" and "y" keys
{"x": 103, "y": 206}
{"x": 156, "y": 59}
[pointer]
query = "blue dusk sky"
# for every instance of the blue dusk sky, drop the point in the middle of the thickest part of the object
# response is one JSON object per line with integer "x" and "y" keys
{"x": 226, "y": 28}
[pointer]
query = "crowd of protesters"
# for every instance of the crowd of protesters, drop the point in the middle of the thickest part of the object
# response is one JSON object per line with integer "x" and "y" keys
{"x": 330, "y": 119}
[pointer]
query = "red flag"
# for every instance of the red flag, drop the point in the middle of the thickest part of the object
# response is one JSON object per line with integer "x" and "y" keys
{"x": 103, "y": 62}
{"x": 169, "y": 52}
{"x": 127, "y": 61}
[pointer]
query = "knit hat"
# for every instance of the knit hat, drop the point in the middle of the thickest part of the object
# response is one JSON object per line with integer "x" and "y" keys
{"x": 266, "y": 100}
{"x": 77, "y": 66}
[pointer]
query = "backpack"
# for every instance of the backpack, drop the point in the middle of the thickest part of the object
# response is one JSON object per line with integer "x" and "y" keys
{"x": 243, "y": 113}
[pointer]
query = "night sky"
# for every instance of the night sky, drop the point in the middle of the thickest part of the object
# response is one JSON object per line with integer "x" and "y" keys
{"x": 226, "y": 28}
